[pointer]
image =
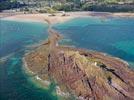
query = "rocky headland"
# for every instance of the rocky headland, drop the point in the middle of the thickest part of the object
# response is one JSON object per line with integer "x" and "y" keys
{"x": 87, "y": 75}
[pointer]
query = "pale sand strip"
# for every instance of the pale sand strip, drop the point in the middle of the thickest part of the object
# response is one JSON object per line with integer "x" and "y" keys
{"x": 124, "y": 14}
{"x": 59, "y": 18}
{"x": 39, "y": 18}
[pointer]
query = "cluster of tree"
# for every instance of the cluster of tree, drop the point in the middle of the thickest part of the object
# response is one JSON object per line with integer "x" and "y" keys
{"x": 97, "y": 5}
{"x": 70, "y": 5}
{"x": 9, "y": 4}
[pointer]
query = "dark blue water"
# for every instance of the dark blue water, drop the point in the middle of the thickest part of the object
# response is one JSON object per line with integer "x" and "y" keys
{"x": 14, "y": 39}
{"x": 114, "y": 36}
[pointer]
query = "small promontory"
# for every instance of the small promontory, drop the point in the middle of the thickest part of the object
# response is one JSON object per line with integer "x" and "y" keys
{"x": 87, "y": 75}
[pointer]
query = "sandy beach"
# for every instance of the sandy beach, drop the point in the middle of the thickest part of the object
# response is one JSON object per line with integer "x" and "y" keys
{"x": 40, "y": 18}
{"x": 58, "y": 18}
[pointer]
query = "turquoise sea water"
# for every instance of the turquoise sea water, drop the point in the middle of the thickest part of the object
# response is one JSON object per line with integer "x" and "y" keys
{"x": 14, "y": 39}
{"x": 114, "y": 36}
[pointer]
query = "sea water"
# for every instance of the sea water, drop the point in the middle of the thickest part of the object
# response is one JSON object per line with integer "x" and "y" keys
{"x": 113, "y": 35}
{"x": 15, "y": 37}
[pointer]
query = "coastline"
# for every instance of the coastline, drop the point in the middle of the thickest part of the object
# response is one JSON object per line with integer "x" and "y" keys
{"x": 44, "y": 84}
{"x": 58, "y": 18}
{"x": 38, "y": 18}
{"x": 52, "y": 20}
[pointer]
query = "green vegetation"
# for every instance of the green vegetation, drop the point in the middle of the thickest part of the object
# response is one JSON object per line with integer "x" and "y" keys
{"x": 9, "y": 4}
{"x": 68, "y": 5}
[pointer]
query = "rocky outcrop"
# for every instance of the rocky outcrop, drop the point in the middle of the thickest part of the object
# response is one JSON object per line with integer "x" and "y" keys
{"x": 87, "y": 75}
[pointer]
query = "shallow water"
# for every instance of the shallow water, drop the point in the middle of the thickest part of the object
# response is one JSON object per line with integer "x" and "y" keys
{"x": 14, "y": 39}
{"x": 114, "y": 36}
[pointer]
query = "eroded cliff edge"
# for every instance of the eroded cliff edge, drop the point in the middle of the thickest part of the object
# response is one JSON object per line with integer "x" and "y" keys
{"x": 87, "y": 75}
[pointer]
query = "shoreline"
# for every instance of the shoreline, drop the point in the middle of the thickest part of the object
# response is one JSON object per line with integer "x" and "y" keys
{"x": 58, "y": 18}
{"x": 34, "y": 78}
{"x": 44, "y": 84}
